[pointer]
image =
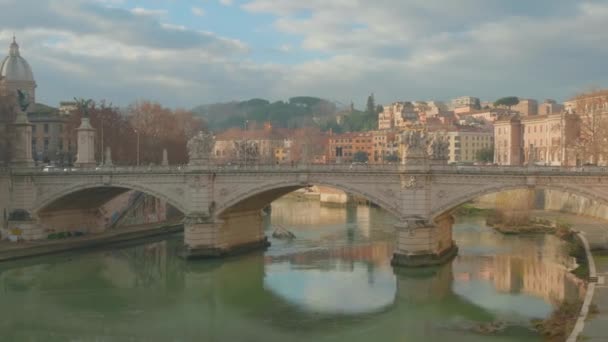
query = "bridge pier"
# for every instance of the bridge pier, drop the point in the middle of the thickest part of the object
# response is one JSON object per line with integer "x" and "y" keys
{"x": 421, "y": 243}
{"x": 239, "y": 232}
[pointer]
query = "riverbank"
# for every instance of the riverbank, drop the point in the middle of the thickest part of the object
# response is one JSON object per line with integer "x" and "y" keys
{"x": 588, "y": 317}
{"x": 568, "y": 319}
{"x": 20, "y": 250}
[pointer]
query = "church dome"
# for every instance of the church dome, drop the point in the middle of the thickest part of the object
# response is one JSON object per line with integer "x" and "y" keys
{"x": 15, "y": 68}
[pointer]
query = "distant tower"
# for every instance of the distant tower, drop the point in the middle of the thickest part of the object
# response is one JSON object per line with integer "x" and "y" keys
{"x": 16, "y": 73}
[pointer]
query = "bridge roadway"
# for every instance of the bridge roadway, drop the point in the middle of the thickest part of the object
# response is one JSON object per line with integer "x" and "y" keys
{"x": 222, "y": 203}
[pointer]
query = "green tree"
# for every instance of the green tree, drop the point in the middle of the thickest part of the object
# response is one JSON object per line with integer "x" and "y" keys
{"x": 371, "y": 105}
{"x": 485, "y": 155}
{"x": 379, "y": 109}
{"x": 360, "y": 157}
{"x": 477, "y": 104}
{"x": 508, "y": 102}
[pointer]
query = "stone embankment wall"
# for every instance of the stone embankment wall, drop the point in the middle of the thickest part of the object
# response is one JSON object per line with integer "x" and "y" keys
{"x": 547, "y": 200}
{"x": 331, "y": 196}
{"x": 130, "y": 208}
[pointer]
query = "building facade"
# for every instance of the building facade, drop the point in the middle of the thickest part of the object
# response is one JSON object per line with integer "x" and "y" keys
{"x": 52, "y": 141}
{"x": 343, "y": 147}
{"x": 385, "y": 148}
{"x": 526, "y": 107}
{"x": 544, "y": 140}
{"x": 465, "y": 144}
{"x": 465, "y": 101}
{"x": 508, "y": 141}
{"x": 267, "y": 141}
{"x": 549, "y": 107}
{"x": 537, "y": 140}
{"x": 397, "y": 115}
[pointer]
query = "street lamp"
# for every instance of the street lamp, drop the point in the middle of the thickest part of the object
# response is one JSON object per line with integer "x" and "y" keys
{"x": 101, "y": 147}
{"x": 136, "y": 132}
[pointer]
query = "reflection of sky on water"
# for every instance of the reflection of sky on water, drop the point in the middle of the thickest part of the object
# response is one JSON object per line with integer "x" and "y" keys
{"x": 484, "y": 294}
{"x": 347, "y": 289}
{"x": 333, "y": 282}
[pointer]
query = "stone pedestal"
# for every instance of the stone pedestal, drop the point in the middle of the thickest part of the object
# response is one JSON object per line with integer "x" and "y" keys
{"x": 235, "y": 233}
{"x": 165, "y": 158}
{"x": 22, "y": 144}
{"x": 108, "y": 158}
{"x": 421, "y": 243}
{"x": 85, "y": 156}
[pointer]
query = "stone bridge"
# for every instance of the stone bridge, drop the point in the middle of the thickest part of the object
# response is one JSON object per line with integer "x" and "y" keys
{"x": 222, "y": 204}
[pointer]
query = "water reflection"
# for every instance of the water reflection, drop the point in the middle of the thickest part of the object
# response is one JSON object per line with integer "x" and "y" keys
{"x": 334, "y": 282}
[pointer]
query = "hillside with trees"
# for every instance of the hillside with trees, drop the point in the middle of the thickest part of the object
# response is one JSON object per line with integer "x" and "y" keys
{"x": 297, "y": 112}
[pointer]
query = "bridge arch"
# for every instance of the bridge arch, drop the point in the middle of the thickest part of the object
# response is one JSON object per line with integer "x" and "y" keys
{"x": 105, "y": 192}
{"x": 258, "y": 197}
{"x": 495, "y": 189}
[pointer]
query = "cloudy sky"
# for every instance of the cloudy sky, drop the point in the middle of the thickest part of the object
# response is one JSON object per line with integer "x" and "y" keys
{"x": 187, "y": 52}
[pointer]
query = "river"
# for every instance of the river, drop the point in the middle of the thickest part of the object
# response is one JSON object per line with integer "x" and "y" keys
{"x": 333, "y": 282}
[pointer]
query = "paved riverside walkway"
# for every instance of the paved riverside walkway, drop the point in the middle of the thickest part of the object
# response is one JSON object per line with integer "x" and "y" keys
{"x": 596, "y": 233}
{"x": 22, "y": 249}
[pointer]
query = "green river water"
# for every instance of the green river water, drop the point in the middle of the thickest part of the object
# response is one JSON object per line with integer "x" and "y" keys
{"x": 333, "y": 282}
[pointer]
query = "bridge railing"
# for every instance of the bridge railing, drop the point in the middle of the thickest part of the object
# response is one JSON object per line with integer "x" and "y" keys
{"x": 299, "y": 168}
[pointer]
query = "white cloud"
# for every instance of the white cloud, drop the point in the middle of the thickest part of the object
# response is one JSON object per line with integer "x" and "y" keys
{"x": 226, "y": 2}
{"x": 416, "y": 49}
{"x": 199, "y": 12}
{"x": 148, "y": 11}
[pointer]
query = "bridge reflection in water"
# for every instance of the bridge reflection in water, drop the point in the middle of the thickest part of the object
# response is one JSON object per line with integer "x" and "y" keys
{"x": 334, "y": 281}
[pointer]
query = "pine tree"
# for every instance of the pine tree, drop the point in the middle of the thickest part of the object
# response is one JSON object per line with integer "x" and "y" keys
{"x": 371, "y": 105}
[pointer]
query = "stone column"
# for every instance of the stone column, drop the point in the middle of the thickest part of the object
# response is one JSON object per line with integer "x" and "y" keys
{"x": 235, "y": 233}
{"x": 22, "y": 145}
{"x": 165, "y": 158}
{"x": 85, "y": 156}
{"x": 421, "y": 243}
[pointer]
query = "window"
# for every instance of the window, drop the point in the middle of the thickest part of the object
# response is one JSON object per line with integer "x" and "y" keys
{"x": 46, "y": 144}
{"x": 34, "y": 128}
{"x": 46, "y": 128}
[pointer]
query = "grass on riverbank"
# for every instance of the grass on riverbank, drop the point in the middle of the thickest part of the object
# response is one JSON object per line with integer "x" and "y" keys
{"x": 469, "y": 209}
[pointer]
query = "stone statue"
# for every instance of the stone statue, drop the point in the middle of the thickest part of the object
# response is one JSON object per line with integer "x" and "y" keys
{"x": 84, "y": 106}
{"x": 415, "y": 139}
{"x": 23, "y": 99}
{"x": 415, "y": 145}
{"x": 247, "y": 151}
{"x": 200, "y": 147}
{"x": 438, "y": 147}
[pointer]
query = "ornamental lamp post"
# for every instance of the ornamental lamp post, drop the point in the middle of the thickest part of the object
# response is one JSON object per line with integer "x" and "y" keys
{"x": 137, "y": 133}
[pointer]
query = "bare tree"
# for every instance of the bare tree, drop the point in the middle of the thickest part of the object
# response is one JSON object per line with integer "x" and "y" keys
{"x": 591, "y": 109}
